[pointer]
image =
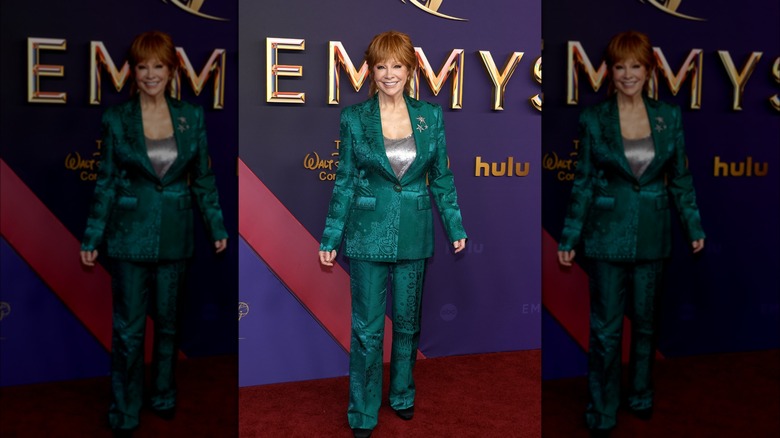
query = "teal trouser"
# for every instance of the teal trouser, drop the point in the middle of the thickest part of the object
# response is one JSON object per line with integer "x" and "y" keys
{"x": 369, "y": 289}
{"x": 611, "y": 286}
{"x": 138, "y": 288}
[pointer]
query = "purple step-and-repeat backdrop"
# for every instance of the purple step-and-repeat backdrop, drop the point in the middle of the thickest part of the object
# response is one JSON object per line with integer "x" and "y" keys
{"x": 722, "y": 61}
{"x": 61, "y": 68}
{"x": 722, "y": 68}
{"x": 485, "y": 300}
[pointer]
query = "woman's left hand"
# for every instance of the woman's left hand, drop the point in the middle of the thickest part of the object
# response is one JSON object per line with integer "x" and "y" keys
{"x": 220, "y": 245}
{"x": 697, "y": 245}
{"x": 459, "y": 245}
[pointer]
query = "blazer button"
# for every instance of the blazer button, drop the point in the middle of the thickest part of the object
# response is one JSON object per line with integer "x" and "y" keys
{"x": 397, "y": 188}
{"x": 159, "y": 188}
{"x": 636, "y": 188}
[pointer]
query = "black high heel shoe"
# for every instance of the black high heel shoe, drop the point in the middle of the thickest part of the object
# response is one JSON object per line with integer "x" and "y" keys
{"x": 361, "y": 433}
{"x": 406, "y": 413}
{"x": 165, "y": 414}
{"x": 600, "y": 433}
{"x": 643, "y": 414}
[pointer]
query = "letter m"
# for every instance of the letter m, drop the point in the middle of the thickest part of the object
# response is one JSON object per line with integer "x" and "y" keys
{"x": 576, "y": 57}
{"x": 337, "y": 58}
{"x": 453, "y": 65}
{"x": 99, "y": 58}
{"x": 214, "y": 67}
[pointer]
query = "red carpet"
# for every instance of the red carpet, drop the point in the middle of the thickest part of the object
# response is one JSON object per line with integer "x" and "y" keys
{"x": 725, "y": 395}
{"x": 487, "y": 395}
{"x": 207, "y": 406}
{"x": 490, "y": 395}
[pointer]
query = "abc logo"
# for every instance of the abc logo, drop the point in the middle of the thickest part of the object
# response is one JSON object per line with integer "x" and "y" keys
{"x": 448, "y": 312}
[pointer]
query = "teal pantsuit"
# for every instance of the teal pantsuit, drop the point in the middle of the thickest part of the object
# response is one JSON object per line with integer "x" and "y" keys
{"x": 386, "y": 225}
{"x": 136, "y": 288}
{"x": 615, "y": 289}
{"x": 622, "y": 223}
{"x": 145, "y": 222}
{"x": 369, "y": 291}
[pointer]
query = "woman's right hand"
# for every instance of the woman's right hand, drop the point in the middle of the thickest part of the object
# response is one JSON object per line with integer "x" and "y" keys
{"x": 565, "y": 258}
{"x": 327, "y": 257}
{"x": 88, "y": 257}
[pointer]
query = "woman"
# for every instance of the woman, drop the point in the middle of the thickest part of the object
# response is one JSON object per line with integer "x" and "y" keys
{"x": 154, "y": 161}
{"x": 390, "y": 145}
{"x": 631, "y": 163}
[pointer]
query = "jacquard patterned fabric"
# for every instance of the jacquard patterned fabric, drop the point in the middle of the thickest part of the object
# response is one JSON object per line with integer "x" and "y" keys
{"x": 380, "y": 217}
{"x": 612, "y": 213}
{"x": 139, "y": 215}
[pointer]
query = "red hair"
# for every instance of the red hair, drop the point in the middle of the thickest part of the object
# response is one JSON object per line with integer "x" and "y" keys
{"x": 153, "y": 45}
{"x": 391, "y": 45}
{"x": 630, "y": 45}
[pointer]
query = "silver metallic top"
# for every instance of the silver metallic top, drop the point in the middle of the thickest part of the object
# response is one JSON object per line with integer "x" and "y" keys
{"x": 401, "y": 152}
{"x": 639, "y": 153}
{"x": 162, "y": 153}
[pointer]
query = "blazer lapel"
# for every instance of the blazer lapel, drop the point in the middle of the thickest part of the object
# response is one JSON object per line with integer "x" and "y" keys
{"x": 660, "y": 134}
{"x": 615, "y": 137}
{"x": 421, "y": 131}
{"x": 371, "y": 119}
{"x": 138, "y": 140}
{"x": 182, "y": 132}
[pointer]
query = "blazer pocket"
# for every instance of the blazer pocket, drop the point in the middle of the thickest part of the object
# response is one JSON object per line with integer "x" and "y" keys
{"x": 424, "y": 202}
{"x": 185, "y": 202}
{"x": 662, "y": 202}
{"x": 365, "y": 203}
{"x": 127, "y": 202}
{"x": 604, "y": 202}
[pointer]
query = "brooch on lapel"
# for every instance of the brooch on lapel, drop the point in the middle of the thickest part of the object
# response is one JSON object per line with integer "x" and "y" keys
{"x": 183, "y": 125}
{"x": 660, "y": 125}
{"x": 421, "y": 125}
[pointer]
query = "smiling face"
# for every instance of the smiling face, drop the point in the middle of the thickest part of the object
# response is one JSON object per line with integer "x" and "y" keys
{"x": 629, "y": 77}
{"x": 152, "y": 77}
{"x": 390, "y": 77}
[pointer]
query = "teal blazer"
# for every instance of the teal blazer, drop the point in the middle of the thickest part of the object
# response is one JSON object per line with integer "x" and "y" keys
{"x": 140, "y": 216}
{"x": 379, "y": 217}
{"x": 616, "y": 216}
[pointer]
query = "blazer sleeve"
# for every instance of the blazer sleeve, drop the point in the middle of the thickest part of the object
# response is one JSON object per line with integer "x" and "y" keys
{"x": 582, "y": 188}
{"x": 442, "y": 184}
{"x": 105, "y": 187}
{"x": 203, "y": 183}
{"x": 344, "y": 188}
{"x": 681, "y": 183}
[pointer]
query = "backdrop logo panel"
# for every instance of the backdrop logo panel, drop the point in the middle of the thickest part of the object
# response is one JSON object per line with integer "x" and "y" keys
{"x": 324, "y": 167}
{"x": 101, "y": 62}
{"x": 691, "y": 71}
{"x": 432, "y": 7}
{"x": 86, "y": 166}
{"x": 502, "y": 168}
{"x": 448, "y": 312}
{"x": 670, "y": 7}
{"x": 739, "y": 168}
{"x": 452, "y": 69}
{"x": 193, "y": 7}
